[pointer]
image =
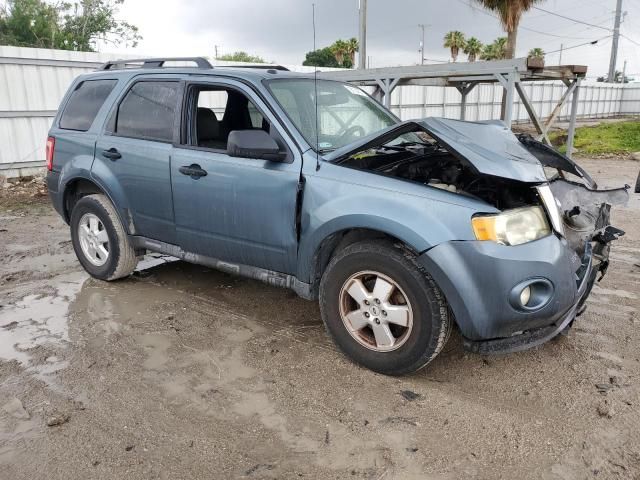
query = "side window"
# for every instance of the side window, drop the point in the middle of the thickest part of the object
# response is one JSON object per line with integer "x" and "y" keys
{"x": 215, "y": 100}
{"x": 219, "y": 111}
{"x": 84, "y": 104}
{"x": 148, "y": 111}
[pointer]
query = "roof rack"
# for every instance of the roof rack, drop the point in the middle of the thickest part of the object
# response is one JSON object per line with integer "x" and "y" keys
{"x": 263, "y": 67}
{"x": 200, "y": 62}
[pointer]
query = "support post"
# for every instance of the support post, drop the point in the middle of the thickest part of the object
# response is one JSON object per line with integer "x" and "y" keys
{"x": 464, "y": 90}
{"x": 508, "y": 112}
{"x": 387, "y": 85}
{"x": 556, "y": 111}
{"x": 509, "y": 85}
{"x": 572, "y": 121}
{"x": 532, "y": 113}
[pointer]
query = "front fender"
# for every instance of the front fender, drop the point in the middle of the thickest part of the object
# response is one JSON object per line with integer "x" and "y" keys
{"x": 333, "y": 205}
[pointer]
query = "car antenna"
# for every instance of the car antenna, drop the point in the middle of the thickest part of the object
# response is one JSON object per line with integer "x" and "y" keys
{"x": 315, "y": 86}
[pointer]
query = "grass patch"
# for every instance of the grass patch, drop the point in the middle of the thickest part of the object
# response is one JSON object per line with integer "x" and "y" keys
{"x": 606, "y": 138}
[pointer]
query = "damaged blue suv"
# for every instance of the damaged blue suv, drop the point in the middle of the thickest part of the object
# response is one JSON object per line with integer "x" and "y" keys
{"x": 401, "y": 230}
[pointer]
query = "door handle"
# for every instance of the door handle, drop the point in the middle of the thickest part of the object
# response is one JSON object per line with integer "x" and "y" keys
{"x": 194, "y": 171}
{"x": 111, "y": 154}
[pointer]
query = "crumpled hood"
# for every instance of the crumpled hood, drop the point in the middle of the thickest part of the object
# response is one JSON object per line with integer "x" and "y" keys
{"x": 490, "y": 147}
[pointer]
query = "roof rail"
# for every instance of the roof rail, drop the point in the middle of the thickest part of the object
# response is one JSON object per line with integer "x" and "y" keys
{"x": 263, "y": 67}
{"x": 200, "y": 62}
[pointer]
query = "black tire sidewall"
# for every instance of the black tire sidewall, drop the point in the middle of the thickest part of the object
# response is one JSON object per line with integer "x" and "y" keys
{"x": 425, "y": 299}
{"x": 85, "y": 205}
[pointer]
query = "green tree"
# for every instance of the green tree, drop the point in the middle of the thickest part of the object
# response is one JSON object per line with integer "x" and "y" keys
{"x": 496, "y": 50}
{"x": 241, "y": 56}
{"x": 473, "y": 48}
{"x": 536, "y": 53}
{"x": 79, "y": 25}
{"x": 29, "y": 23}
{"x": 323, "y": 57}
{"x": 339, "y": 49}
{"x": 351, "y": 47}
{"x": 455, "y": 41}
{"x": 510, "y": 13}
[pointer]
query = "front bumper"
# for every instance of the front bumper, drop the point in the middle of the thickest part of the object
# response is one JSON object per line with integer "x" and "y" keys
{"x": 477, "y": 279}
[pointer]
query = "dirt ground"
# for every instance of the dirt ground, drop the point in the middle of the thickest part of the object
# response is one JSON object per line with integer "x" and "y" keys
{"x": 181, "y": 372}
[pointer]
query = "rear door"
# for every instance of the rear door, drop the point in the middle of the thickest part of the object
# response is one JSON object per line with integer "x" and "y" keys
{"x": 134, "y": 153}
{"x": 240, "y": 210}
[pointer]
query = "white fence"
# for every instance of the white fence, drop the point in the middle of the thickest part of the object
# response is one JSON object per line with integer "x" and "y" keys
{"x": 33, "y": 81}
{"x": 597, "y": 100}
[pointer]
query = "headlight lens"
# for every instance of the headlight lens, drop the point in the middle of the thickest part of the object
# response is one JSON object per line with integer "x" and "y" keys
{"x": 513, "y": 227}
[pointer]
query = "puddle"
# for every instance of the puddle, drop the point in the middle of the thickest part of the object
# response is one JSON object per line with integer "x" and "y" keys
{"x": 36, "y": 320}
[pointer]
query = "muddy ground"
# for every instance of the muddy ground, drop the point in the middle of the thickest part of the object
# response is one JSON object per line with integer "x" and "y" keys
{"x": 181, "y": 372}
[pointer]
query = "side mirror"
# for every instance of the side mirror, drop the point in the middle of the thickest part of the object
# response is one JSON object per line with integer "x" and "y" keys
{"x": 254, "y": 144}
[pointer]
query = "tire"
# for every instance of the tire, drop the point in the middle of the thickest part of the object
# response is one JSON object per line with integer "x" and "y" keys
{"x": 120, "y": 259}
{"x": 637, "y": 189}
{"x": 414, "y": 347}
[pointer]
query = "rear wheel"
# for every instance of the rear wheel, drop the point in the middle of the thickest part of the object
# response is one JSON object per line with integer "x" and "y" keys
{"x": 99, "y": 240}
{"x": 382, "y": 309}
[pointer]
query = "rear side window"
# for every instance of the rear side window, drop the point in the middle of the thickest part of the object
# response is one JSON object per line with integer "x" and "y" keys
{"x": 84, "y": 104}
{"x": 148, "y": 111}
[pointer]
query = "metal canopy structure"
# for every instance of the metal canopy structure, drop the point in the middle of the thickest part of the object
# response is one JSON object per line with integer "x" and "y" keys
{"x": 511, "y": 74}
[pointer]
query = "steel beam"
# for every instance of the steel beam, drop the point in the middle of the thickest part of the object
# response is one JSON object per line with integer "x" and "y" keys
{"x": 429, "y": 71}
{"x": 508, "y": 84}
{"x": 464, "y": 91}
{"x": 387, "y": 85}
{"x": 532, "y": 113}
{"x": 558, "y": 108}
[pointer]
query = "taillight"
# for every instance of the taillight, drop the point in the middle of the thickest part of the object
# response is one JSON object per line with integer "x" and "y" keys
{"x": 51, "y": 144}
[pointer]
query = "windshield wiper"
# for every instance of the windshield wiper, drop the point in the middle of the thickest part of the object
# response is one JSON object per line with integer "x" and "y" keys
{"x": 322, "y": 151}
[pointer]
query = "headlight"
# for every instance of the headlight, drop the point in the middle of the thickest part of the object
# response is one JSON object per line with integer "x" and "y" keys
{"x": 513, "y": 227}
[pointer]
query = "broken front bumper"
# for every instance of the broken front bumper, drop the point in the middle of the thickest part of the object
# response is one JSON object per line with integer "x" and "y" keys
{"x": 479, "y": 278}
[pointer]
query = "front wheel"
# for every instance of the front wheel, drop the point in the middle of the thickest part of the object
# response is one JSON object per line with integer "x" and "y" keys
{"x": 382, "y": 309}
{"x": 99, "y": 240}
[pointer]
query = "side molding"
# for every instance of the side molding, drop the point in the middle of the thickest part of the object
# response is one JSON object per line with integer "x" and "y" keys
{"x": 270, "y": 277}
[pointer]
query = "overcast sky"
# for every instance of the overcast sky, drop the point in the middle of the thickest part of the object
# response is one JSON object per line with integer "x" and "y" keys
{"x": 281, "y": 30}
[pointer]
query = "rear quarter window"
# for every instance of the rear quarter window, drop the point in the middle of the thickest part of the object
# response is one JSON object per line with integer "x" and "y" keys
{"x": 148, "y": 111}
{"x": 84, "y": 104}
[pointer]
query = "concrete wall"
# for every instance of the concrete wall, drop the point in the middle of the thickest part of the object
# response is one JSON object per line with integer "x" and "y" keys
{"x": 33, "y": 81}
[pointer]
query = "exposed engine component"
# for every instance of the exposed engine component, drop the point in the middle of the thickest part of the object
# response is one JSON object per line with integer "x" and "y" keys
{"x": 432, "y": 165}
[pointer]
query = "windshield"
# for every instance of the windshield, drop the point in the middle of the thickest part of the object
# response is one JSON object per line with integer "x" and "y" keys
{"x": 345, "y": 113}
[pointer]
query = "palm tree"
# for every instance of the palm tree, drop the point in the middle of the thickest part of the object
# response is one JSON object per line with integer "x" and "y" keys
{"x": 473, "y": 47}
{"x": 339, "y": 48}
{"x": 488, "y": 52}
{"x": 509, "y": 12}
{"x": 351, "y": 47}
{"x": 455, "y": 41}
{"x": 536, "y": 53}
{"x": 496, "y": 50}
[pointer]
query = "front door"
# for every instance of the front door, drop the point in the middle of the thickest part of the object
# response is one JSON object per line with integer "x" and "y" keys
{"x": 135, "y": 152}
{"x": 238, "y": 210}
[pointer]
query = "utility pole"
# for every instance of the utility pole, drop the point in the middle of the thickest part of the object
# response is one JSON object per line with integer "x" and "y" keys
{"x": 561, "y": 49}
{"x": 624, "y": 72}
{"x": 362, "y": 58}
{"x": 421, "y": 50}
{"x": 614, "y": 45}
{"x": 216, "y": 48}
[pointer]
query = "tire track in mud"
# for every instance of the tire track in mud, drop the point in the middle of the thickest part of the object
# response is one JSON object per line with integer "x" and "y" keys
{"x": 298, "y": 334}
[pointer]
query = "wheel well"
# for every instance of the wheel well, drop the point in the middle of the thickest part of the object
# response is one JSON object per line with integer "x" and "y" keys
{"x": 339, "y": 240}
{"x": 74, "y": 191}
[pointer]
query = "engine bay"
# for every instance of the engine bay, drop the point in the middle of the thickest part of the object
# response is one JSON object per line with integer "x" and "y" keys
{"x": 428, "y": 163}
